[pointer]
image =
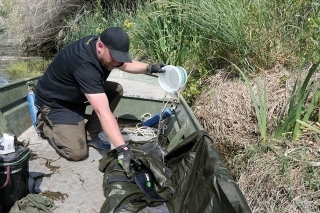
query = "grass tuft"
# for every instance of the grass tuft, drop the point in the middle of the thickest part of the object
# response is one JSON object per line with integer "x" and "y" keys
{"x": 27, "y": 68}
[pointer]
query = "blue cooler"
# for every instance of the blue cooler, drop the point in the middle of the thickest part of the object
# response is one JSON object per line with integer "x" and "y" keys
{"x": 14, "y": 177}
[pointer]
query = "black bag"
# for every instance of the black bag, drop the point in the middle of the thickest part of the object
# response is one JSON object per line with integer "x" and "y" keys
{"x": 14, "y": 177}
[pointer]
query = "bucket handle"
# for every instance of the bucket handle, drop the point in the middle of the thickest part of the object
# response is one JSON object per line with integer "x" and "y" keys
{"x": 7, "y": 178}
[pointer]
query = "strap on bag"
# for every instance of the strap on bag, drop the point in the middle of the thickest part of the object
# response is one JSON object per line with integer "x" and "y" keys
{"x": 7, "y": 178}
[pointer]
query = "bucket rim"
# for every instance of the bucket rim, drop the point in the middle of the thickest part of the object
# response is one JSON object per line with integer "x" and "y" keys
{"x": 181, "y": 72}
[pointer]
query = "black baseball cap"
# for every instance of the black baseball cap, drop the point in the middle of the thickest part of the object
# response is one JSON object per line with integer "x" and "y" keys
{"x": 117, "y": 40}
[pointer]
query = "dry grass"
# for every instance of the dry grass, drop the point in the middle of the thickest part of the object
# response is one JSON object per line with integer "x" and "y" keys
{"x": 276, "y": 181}
{"x": 279, "y": 178}
{"x": 226, "y": 110}
{"x": 35, "y": 23}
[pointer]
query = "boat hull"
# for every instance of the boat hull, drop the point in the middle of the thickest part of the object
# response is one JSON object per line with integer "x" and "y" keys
{"x": 15, "y": 114}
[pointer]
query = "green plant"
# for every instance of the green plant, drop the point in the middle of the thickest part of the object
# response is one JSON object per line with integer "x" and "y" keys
{"x": 92, "y": 19}
{"x": 196, "y": 83}
{"x": 220, "y": 24}
{"x": 193, "y": 90}
{"x": 257, "y": 34}
{"x": 309, "y": 39}
{"x": 161, "y": 29}
{"x": 298, "y": 100}
{"x": 260, "y": 104}
{"x": 87, "y": 21}
{"x": 316, "y": 130}
{"x": 27, "y": 68}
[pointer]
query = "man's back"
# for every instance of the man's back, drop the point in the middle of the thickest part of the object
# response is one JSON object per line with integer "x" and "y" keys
{"x": 74, "y": 71}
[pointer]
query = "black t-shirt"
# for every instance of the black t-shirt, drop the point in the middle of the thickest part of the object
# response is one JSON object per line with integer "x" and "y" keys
{"x": 74, "y": 71}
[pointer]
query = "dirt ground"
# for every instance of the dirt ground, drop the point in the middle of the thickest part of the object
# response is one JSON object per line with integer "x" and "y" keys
{"x": 270, "y": 180}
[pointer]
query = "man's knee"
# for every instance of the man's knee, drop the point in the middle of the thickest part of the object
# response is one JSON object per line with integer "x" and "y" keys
{"x": 77, "y": 155}
{"x": 70, "y": 140}
{"x": 110, "y": 85}
{"x": 114, "y": 91}
{"x": 73, "y": 151}
{"x": 120, "y": 89}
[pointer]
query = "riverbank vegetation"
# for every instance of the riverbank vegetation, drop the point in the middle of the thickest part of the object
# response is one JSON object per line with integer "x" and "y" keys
{"x": 253, "y": 83}
{"x": 28, "y": 67}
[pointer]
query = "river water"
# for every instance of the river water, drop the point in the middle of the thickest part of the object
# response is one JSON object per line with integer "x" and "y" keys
{"x": 8, "y": 53}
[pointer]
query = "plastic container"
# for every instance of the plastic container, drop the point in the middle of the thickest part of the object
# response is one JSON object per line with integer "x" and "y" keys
{"x": 14, "y": 177}
{"x": 32, "y": 108}
{"x": 154, "y": 120}
{"x": 7, "y": 144}
{"x": 173, "y": 78}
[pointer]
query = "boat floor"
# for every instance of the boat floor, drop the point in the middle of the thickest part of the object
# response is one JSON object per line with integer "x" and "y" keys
{"x": 73, "y": 186}
{"x": 77, "y": 186}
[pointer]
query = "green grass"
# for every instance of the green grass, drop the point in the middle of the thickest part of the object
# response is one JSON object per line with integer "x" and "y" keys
{"x": 27, "y": 68}
{"x": 316, "y": 130}
{"x": 220, "y": 25}
{"x": 259, "y": 103}
{"x": 92, "y": 19}
{"x": 162, "y": 30}
{"x": 298, "y": 108}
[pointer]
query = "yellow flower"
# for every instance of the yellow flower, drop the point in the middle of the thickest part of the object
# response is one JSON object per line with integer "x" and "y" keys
{"x": 127, "y": 23}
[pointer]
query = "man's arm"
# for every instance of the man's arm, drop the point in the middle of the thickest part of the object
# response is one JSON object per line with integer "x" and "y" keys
{"x": 109, "y": 124}
{"x": 136, "y": 67}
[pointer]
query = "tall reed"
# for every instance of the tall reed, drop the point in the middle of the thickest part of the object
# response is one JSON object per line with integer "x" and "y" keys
{"x": 298, "y": 108}
{"x": 161, "y": 30}
{"x": 260, "y": 104}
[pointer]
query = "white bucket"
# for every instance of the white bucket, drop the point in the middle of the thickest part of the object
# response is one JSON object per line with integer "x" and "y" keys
{"x": 173, "y": 78}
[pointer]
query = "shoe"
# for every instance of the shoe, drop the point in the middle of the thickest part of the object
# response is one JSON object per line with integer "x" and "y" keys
{"x": 99, "y": 143}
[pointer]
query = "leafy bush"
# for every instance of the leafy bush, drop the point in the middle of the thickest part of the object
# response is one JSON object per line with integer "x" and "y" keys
{"x": 91, "y": 19}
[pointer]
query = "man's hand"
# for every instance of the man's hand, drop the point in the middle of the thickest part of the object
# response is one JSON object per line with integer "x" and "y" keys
{"x": 156, "y": 68}
{"x": 126, "y": 158}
